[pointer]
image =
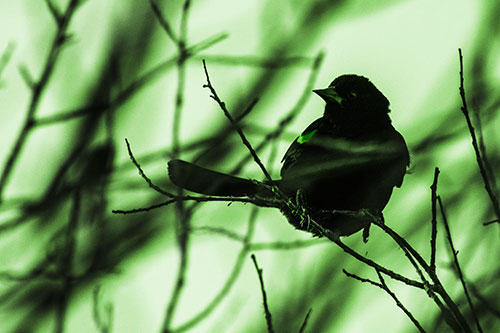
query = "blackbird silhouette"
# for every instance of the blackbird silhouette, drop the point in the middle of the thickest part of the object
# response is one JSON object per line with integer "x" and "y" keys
{"x": 349, "y": 159}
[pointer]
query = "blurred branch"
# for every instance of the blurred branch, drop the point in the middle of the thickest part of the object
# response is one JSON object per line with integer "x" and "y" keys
{"x": 457, "y": 265}
{"x": 291, "y": 245}
{"x": 224, "y": 232}
{"x": 131, "y": 89}
{"x": 246, "y": 60}
{"x": 482, "y": 149}
{"x": 103, "y": 325}
{"x": 39, "y": 272}
{"x": 56, "y": 13}
{"x": 181, "y": 78}
{"x": 37, "y": 91}
{"x": 238, "y": 265}
{"x": 5, "y": 58}
{"x": 484, "y": 301}
{"x": 184, "y": 216}
{"x": 259, "y": 246}
{"x": 269, "y": 321}
{"x": 67, "y": 263}
{"x": 163, "y": 22}
{"x": 479, "y": 158}
{"x": 26, "y": 76}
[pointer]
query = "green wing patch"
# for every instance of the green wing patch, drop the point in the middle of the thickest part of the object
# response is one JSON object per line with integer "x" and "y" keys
{"x": 306, "y": 137}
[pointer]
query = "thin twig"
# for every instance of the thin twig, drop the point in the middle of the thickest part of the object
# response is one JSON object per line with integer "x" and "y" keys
{"x": 37, "y": 91}
{"x": 452, "y": 312}
{"x": 399, "y": 304}
{"x": 306, "y": 320}
{"x": 234, "y": 124}
{"x": 415, "y": 260}
{"x": 371, "y": 263}
{"x": 269, "y": 321}
{"x": 491, "y": 222}
{"x": 457, "y": 265}
{"x": 434, "y": 220}
{"x": 288, "y": 118}
{"x": 479, "y": 158}
{"x": 382, "y": 285}
{"x": 143, "y": 175}
{"x": 184, "y": 198}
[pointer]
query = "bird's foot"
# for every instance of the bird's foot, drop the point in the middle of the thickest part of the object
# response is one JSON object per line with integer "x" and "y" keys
{"x": 301, "y": 206}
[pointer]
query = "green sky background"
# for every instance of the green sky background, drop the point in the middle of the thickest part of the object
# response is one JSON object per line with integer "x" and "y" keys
{"x": 409, "y": 50}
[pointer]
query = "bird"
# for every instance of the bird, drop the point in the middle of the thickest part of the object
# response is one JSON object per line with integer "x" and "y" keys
{"x": 349, "y": 159}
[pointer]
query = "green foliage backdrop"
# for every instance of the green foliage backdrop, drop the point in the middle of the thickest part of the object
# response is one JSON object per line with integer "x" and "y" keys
{"x": 78, "y": 77}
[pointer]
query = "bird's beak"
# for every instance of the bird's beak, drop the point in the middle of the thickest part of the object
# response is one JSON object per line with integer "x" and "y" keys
{"x": 329, "y": 94}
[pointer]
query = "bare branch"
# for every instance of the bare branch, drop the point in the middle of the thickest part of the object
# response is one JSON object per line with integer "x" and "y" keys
{"x": 235, "y": 125}
{"x": 382, "y": 285}
{"x": 451, "y": 313}
{"x": 185, "y": 198}
{"x": 491, "y": 222}
{"x": 269, "y": 321}
{"x": 370, "y": 262}
{"x": 479, "y": 158}
{"x": 434, "y": 220}
{"x": 143, "y": 175}
{"x": 306, "y": 320}
{"x": 457, "y": 265}
{"x": 288, "y": 118}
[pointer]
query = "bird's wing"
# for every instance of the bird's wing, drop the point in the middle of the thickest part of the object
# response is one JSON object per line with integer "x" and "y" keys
{"x": 297, "y": 146}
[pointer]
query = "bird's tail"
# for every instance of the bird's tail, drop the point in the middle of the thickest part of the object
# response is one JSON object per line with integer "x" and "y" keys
{"x": 204, "y": 181}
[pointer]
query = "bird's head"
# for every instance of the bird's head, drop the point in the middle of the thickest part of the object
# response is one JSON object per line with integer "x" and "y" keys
{"x": 354, "y": 98}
